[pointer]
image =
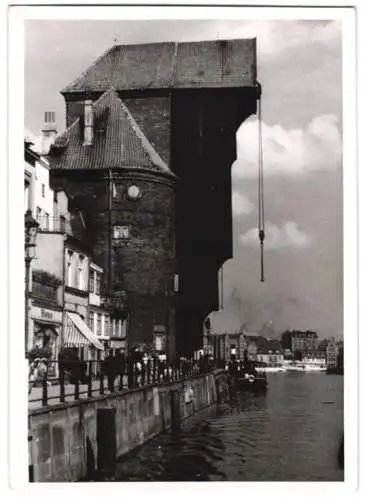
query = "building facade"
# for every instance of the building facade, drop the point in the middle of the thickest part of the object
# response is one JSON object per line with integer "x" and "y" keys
{"x": 332, "y": 352}
{"x": 302, "y": 341}
{"x": 270, "y": 352}
{"x": 46, "y": 313}
{"x": 109, "y": 327}
{"x": 60, "y": 292}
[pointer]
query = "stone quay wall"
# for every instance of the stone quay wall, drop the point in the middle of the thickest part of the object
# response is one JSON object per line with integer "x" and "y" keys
{"x": 63, "y": 446}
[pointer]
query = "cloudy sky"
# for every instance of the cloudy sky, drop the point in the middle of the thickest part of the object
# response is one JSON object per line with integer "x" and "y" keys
{"x": 300, "y": 69}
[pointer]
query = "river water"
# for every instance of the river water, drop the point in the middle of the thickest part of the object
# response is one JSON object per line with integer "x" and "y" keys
{"x": 292, "y": 433}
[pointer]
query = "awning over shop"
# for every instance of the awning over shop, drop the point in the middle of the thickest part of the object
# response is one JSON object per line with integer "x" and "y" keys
{"x": 77, "y": 333}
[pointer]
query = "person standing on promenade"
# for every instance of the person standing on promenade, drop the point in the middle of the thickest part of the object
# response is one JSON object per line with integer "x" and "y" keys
{"x": 109, "y": 369}
{"x": 119, "y": 361}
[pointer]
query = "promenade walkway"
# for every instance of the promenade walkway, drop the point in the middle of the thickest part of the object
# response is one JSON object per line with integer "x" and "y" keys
{"x": 35, "y": 397}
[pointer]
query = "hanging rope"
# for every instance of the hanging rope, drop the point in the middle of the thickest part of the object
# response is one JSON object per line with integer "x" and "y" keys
{"x": 222, "y": 293}
{"x": 261, "y": 214}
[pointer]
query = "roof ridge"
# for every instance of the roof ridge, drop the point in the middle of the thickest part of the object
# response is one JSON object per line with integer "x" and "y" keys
{"x": 180, "y": 42}
{"x": 87, "y": 70}
{"x": 147, "y": 146}
{"x": 73, "y": 124}
{"x": 160, "y": 62}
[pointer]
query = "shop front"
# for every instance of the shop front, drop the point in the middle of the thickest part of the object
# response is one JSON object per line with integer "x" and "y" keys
{"x": 47, "y": 324}
{"x": 80, "y": 342}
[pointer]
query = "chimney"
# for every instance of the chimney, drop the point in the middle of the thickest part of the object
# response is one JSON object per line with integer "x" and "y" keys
{"x": 88, "y": 123}
{"x": 49, "y": 131}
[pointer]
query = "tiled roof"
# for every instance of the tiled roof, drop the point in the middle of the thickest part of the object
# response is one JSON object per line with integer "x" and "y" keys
{"x": 216, "y": 63}
{"x": 118, "y": 141}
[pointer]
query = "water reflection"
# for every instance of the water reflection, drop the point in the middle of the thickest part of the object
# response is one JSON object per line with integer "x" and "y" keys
{"x": 288, "y": 434}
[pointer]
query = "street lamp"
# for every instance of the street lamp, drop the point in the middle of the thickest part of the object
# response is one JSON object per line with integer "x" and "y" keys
{"x": 30, "y": 233}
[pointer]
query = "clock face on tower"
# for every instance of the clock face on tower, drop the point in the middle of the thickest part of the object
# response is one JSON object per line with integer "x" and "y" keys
{"x": 134, "y": 192}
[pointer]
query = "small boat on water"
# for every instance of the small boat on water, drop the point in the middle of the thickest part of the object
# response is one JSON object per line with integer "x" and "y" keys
{"x": 246, "y": 377}
{"x": 297, "y": 366}
{"x": 272, "y": 369}
{"x": 250, "y": 382}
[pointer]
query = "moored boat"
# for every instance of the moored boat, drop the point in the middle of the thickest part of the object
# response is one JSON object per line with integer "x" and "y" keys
{"x": 306, "y": 367}
{"x": 250, "y": 382}
{"x": 246, "y": 377}
{"x": 272, "y": 369}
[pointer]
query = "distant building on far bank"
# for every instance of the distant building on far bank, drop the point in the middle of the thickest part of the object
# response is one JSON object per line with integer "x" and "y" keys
{"x": 332, "y": 351}
{"x": 270, "y": 352}
{"x": 225, "y": 334}
{"x": 297, "y": 340}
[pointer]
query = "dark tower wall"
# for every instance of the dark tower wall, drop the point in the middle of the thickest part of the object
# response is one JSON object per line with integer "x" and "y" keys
{"x": 141, "y": 264}
{"x": 145, "y": 267}
{"x": 203, "y": 148}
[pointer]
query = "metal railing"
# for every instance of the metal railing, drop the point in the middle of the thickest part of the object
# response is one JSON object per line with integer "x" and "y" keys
{"x": 54, "y": 224}
{"x": 53, "y": 382}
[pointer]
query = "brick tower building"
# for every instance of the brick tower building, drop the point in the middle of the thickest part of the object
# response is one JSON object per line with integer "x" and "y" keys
{"x": 188, "y": 100}
{"x": 125, "y": 194}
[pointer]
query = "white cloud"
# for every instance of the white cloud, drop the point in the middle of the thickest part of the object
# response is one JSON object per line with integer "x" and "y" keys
{"x": 287, "y": 236}
{"x": 288, "y": 151}
{"x": 241, "y": 205}
{"x": 274, "y": 37}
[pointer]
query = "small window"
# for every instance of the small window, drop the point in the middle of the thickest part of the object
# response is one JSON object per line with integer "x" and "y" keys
{"x": 26, "y": 195}
{"x": 80, "y": 278}
{"x": 106, "y": 326}
{"x": 176, "y": 283}
{"x": 159, "y": 342}
{"x": 98, "y": 324}
{"x": 69, "y": 268}
{"x": 91, "y": 321}
{"x": 62, "y": 223}
{"x": 97, "y": 283}
{"x": 123, "y": 332}
{"x": 92, "y": 281}
{"x": 43, "y": 191}
{"x": 80, "y": 273}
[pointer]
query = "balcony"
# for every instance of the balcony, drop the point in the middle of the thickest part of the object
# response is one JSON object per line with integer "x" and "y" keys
{"x": 116, "y": 303}
{"x": 54, "y": 225}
